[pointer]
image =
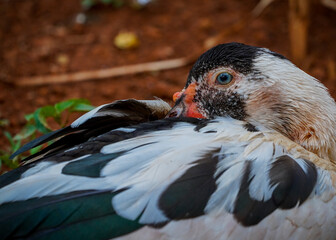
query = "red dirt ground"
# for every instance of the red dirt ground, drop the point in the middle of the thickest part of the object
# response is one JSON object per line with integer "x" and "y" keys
{"x": 35, "y": 33}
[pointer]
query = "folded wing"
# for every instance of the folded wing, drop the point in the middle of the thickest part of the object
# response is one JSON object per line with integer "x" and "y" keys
{"x": 154, "y": 174}
{"x": 102, "y": 119}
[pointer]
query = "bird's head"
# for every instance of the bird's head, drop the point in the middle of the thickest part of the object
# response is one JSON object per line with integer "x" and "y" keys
{"x": 262, "y": 88}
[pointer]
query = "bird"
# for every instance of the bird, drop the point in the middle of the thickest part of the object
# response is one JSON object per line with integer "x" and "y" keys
{"x": 246, "y": 152}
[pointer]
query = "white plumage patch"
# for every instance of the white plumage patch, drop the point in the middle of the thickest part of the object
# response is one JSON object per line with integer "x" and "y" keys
{"x": 260, "y": 188}
{"x": 147, "y": 175}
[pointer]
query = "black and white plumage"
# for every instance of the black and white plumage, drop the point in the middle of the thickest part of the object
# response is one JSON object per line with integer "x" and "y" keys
{"x": 247, "y": 152}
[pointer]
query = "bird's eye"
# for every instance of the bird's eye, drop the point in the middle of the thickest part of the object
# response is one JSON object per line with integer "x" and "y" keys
{"x": 224, "y": 78}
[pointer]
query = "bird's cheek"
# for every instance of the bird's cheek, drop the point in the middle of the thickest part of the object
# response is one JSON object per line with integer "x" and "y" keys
{"x": 192, "y": 111}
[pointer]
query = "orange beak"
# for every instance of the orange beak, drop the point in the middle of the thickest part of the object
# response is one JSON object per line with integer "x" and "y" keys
{"x": 184, "y": 104}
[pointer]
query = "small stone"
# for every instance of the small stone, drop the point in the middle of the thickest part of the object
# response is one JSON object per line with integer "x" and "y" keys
{"x": 62, "y": 59}
{"x": 126, "y": 40}
{"x": 81, "y": 18}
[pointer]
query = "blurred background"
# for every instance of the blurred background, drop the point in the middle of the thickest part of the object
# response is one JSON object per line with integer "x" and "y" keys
{"x": 51, "y": 51}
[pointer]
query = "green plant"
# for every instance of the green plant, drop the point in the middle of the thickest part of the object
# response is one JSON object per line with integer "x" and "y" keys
{"x": 39, "y": 123}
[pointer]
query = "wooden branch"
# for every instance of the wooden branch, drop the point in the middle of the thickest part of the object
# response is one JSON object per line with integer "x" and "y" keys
{"x": 104, "y": 73}
{"x": 298, "y": 28}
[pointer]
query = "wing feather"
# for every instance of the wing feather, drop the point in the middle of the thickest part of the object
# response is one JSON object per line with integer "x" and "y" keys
{"x": 100, "y": 120}
{"x": 162, "y": 172}
{"x": 89, "y": 214}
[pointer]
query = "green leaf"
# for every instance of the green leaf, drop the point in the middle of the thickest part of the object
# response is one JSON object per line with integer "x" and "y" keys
{"x": 29, "y": 117}
{"x": 48, "y": 111}
{"x": 35, "y": 149}
{"x": 16, "y": 146}
{"x": 10, "y": 138}
{"x": 5, "y": 156}
{"x": 9, "y": 162}
{"x": 26, "y": 132}
{"x": 82, "y": 107}
{"x": 40, "y": 118}
{"x": 60, "y": 107}
{"x": 72, "y": 104}
{"x": 37, "y": 122}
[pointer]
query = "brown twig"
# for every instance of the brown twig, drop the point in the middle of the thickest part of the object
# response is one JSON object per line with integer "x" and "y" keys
{"x": 105, "y": 73}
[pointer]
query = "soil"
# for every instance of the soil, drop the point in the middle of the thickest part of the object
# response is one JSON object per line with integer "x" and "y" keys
{"x": 40, "y": 37}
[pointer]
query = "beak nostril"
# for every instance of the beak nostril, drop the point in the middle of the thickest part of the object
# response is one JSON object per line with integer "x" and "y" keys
{"x": 172, "y": 114}
{"x": 176, "y": 112}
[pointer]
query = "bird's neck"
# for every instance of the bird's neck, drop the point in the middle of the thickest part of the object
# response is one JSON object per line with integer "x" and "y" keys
{"x": 313, "y": 126}
{"x": 308, "y": 122}
{"x": 316, "y": 135}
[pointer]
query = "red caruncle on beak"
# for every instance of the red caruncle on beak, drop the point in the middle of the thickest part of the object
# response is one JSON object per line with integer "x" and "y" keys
{"x": 186, "y": 106}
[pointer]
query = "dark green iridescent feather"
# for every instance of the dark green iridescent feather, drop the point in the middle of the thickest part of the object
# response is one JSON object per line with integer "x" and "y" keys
{"x": 76, "y": 215}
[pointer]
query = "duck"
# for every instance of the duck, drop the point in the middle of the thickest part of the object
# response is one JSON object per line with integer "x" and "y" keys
{"x": 246, "y": 152}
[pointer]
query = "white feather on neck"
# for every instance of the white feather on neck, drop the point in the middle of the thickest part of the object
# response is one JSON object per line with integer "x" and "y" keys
{"x": 294, "y": 103}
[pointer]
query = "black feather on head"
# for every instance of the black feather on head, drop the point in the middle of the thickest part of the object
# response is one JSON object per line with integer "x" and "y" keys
{"x": 238, "y": 56}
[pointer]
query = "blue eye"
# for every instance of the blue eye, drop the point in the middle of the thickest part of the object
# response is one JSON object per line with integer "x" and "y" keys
{"x": 224, "y": 78}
